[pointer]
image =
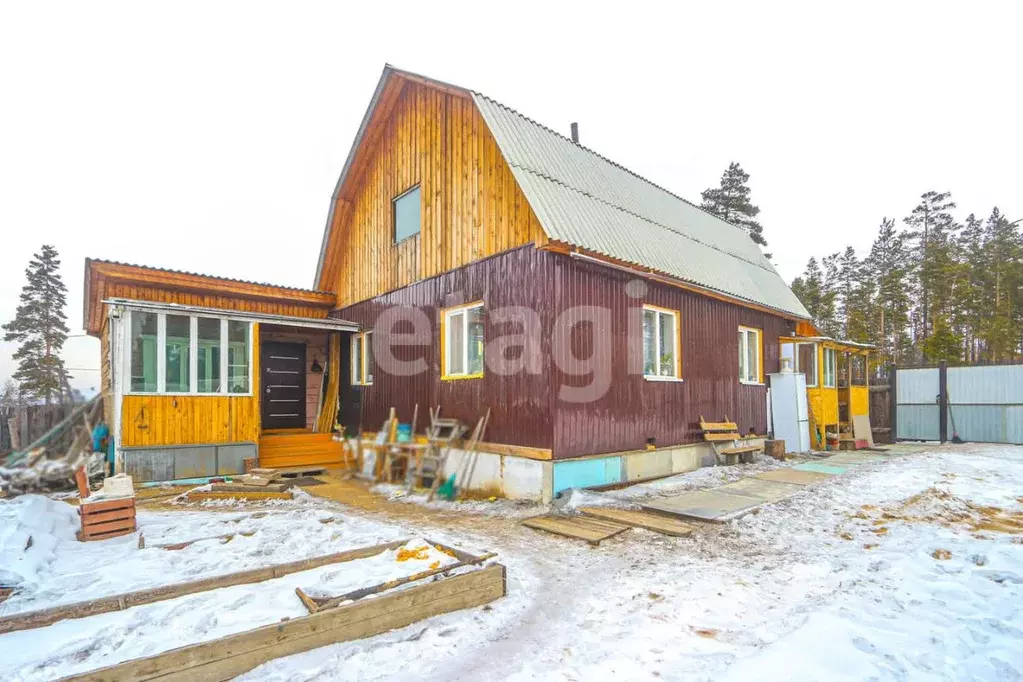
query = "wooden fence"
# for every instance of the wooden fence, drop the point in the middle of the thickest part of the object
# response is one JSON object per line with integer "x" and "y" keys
{"x": 21, "y": 426}
{"x": 881, "y": 413}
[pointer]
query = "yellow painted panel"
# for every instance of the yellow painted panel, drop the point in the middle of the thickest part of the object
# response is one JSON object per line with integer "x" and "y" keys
{"x": 859, "y": 400}
{"x": 150, "y": 420}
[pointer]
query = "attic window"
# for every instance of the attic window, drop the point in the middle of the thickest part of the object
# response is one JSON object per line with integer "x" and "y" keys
{"x": 406, "y": 215}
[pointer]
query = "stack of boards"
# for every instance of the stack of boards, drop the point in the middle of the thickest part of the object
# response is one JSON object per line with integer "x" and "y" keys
{"x": 258, "y": 484}
{"x": 598, "y": 524}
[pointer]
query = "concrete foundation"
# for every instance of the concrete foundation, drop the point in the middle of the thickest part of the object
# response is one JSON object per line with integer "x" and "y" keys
{"x": 543, "y": 480}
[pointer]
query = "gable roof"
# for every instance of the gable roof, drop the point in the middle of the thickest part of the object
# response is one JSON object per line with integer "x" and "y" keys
{"x": 586, "y": 201}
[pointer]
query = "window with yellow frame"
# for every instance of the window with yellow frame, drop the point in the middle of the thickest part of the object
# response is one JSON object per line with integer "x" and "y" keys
{"x": 661, "y": 345}
{"x": 751, "y": 356}
{"x": 461, "y": 333}
{"x": 362, "y": 359}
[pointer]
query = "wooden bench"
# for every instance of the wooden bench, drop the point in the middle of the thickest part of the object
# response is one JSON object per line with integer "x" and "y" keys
{"x": 728, "y": 432}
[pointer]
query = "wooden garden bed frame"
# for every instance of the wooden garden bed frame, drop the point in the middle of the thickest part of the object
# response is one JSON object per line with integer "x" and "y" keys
{"x": 119, "y": 602}
{"x": 227, "y": 657}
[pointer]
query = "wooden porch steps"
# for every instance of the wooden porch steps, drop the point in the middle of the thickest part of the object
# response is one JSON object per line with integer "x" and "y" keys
{"x": 278, "y": 450}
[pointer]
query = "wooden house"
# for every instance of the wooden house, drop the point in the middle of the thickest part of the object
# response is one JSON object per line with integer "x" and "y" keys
{"x": 455, "y": 222}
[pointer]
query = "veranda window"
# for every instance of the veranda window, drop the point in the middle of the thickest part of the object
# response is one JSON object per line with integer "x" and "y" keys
{"x": 238, "y": 350}
{"x": 858, "y": 363}
{"x": 660, "y": 343}
{"x": 209, "y": 355}
{"x": 143, "y": 352}
{"x": 829, "y": 368}
{"x": 170, "y": 353}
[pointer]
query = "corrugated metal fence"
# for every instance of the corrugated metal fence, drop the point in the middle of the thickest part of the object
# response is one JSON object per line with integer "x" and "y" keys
{"x": 980, "y": 404}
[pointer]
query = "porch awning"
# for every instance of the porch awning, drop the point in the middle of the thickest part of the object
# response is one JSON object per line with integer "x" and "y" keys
{"x": 329, "y": 324}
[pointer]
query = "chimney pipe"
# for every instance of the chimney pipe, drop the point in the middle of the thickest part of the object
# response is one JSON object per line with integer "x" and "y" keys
{"x": 575, "y": 133}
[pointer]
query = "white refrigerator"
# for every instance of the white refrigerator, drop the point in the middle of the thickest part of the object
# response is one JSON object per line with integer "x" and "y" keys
{"x": 791, "y": 422}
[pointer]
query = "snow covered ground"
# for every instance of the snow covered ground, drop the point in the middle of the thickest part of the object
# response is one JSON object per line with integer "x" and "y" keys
{"x": 904, "y": 569}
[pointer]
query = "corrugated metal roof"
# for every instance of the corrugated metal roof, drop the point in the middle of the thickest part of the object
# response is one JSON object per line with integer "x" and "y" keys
{"x": 583, "y": 199}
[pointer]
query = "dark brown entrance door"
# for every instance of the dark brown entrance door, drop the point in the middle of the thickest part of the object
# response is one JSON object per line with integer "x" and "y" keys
{"x": 283, "y": 384}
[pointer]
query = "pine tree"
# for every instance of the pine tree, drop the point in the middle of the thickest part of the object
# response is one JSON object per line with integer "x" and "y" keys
{"x": 1003, "y": 277}
{"x": 855, "y": 291}
{"x": 815, "y": 289}
{"x": 731, "y": 201}
{"x": 972, "y": 299}
{"x": 887, "y": 266}
{"x": 40, "y": 329}
{"x": 808, "y": 288}
{"x": 828, "y": 321}
{"x": 930, "y": 226}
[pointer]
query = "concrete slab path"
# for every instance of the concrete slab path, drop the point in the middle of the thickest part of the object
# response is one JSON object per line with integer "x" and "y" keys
{"x": 729, "y": 501}
{"x": 704, "y": 505}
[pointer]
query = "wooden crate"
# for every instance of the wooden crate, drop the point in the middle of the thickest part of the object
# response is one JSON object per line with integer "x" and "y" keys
{"x": 106, "y": 518}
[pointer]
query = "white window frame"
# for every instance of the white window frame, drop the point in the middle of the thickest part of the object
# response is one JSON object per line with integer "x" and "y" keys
{"x": 833, "y": 354}
{"x": 360, "y": 378}
{"x": 677, "y": 351}
{"x": 447, "y": 314}
{"x": 193, "y": 356}
{"x": 744, "y": 348}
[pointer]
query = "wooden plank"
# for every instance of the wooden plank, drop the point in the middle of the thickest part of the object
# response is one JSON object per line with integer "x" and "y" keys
{"x": 106, "y": 526}
{"x": 592, "y": 531}
{"x": 722, "y": 436}
{"x": 257, "y": 494}
{"x": 654, "y": 522}
{"x": 241, "y": 488}
{"x": 719, "y": 426}
{"x": 228, "y": 657}
{"x": 89, "y": 520}
{"x": 736, "y": 451}
{"x": 83, "y": 537}
{"x": 87, "y": 508}
{"x": 41, "y": 618}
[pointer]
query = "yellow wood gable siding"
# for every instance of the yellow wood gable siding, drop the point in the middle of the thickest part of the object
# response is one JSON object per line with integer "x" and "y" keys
{"x": 471, "y": 206}
{"x": 152, "y": 420}
{"x": 159, "y": 294}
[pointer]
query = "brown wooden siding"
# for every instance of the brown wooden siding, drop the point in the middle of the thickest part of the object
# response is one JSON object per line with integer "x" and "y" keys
{"x": 471, "y": 206}
{"x": 526, "y": 408}
{"x": 635, "y": 409}
{"x": 520, "y": 404}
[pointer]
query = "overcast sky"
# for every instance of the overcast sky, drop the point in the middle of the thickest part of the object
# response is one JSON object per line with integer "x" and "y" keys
{"x": 208, "y": 136}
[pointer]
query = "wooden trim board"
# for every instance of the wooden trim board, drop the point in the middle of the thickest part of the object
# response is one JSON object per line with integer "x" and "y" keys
{"x": 227, "y": 657}
{"x": 256, "y": 495}
{"x": 591, "y": 530}
{"x": 638, "y": 519}
{"x": 41, "y": 618}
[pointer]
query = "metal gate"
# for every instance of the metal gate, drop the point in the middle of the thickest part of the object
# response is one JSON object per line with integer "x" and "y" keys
{"x": 986, "y": 403}
{"x": 917, "y": 409}
{"x": 980, "y": 404}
